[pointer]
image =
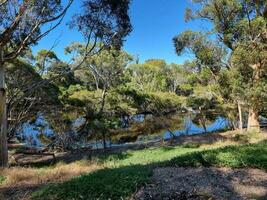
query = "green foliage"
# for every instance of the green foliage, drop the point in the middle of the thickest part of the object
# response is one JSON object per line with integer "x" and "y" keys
{"x": 44, "y": 61}
{"x": 150, "y": 76}
{"x": 25, "y": 99}
{"x": 160, "y": 102}
{"x": 2, "y": 179}
{"x": 241, "y": 27}
{"x": 208, "y": 53}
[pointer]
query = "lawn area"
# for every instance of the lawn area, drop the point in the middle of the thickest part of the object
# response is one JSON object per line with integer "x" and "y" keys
{"x": 124, "y": 173}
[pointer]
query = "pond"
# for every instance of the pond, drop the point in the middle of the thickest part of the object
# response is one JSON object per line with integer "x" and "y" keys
{"x": 31, "y": 132}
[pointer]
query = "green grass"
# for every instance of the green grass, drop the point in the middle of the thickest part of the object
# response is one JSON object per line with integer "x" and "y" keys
{"x": 144, "y": 157}
{"x": 127, "y": 171}
{"x": 114, "y": 183}
{"x": 254, "y": 155}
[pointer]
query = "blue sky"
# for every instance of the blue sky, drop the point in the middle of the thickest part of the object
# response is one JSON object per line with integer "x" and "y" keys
{"x": 155, "y": 23}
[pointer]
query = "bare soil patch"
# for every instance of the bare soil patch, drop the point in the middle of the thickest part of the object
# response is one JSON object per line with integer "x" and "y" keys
{"x": 205, "y": 184}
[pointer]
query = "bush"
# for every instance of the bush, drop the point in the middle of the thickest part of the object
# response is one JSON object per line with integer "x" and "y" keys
{"x": 2, "y": 179}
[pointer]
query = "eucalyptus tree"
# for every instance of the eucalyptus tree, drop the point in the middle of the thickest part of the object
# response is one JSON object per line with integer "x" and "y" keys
{"x": 24, "y": 23}
{"x": 241, "y": 25}
{"x": 176, "y": 78}
{"x": 204, "y": 75}
{"x": 97, "y": 102}
{"x": 21, "y": 107}
{"x": 149, "y": 76}
{"x": 44, "y": 61}
{"x": 208, "y": 53}
{"x": 20, "y": 27}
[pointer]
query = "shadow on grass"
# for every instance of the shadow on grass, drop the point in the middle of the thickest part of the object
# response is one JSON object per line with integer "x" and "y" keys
{"x": 115, "y": 183}
{"x": 122, "y": 182}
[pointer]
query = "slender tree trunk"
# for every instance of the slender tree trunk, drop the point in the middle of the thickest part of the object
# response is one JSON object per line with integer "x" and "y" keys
{"x": 203, "y": 123}
{"x": 205, "y": 128}
{"x": 240, "y": 116}
{"x": 96, "y": 81}
{"x": 103, "y": 100}
{"x": 3, "y": 118}
{"x": 253, "y": 120}
{"x": 253, "y": 116}
{"x": 173, "y": 136}
{"x": 104, "y": 140}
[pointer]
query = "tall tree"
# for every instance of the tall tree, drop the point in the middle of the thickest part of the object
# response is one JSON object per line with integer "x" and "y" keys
{"x": 20, "y": 27}
{"x": 106, "y": 70}
{"x": 242, "y": 26}
{"x": 23, "y": 23}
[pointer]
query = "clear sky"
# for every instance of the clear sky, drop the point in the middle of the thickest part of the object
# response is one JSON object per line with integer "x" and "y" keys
{"x": 155, "y": 23}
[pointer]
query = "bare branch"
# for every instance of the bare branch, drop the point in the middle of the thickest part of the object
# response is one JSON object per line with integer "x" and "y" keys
{"x": 3, "y": 2}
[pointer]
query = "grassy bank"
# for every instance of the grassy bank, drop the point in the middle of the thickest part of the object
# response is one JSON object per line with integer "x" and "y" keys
{"x": 128, "y": 171}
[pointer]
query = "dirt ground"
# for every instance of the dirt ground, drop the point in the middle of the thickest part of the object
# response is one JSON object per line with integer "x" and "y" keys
{"x": 205, "y": 184}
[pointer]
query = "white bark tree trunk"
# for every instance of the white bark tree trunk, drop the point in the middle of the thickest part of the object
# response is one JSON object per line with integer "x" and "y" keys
{"x": 3, "y": 120}
{"x": 253, "y": 115}
{"x": 240, "y": 116}
{"x": 253, "y": 120}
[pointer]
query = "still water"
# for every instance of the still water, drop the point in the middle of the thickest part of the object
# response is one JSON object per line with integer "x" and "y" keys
{"x": 30, "y": 132}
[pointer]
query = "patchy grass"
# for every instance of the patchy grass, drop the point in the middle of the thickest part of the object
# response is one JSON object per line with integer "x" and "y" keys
{"x": 115, "y": 183}
{"x": 192, "y": 145}
{"x": 250, "y": 155}
{"x": 132, "y": 169}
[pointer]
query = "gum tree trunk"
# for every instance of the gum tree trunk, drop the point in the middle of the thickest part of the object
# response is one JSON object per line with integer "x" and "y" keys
{"x": 253, "y": 120}
{"x": 240, "y": 116}
{"x": 253, "y": 115}
{"x": 3, "y": 119}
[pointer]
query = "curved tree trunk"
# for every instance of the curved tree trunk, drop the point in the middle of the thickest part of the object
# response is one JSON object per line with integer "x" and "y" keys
{"x": 3, "y": 120}
{"x": 253, "y": 120}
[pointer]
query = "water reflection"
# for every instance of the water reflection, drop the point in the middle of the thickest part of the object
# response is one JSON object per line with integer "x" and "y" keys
{"x": 190, "y": 128}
